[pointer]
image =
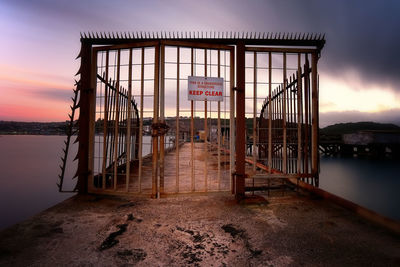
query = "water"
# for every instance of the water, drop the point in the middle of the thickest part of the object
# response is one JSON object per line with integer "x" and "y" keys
{"x": 29, "y": 169}
{"x": 373, "y": 184}
{"x": 28, "y": 175}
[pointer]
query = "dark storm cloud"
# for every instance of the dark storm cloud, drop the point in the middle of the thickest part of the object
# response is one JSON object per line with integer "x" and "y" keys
{"x": 361, "y": 35}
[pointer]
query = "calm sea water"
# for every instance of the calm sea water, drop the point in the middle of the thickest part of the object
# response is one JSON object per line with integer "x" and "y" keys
{"x": 29, "y": 170}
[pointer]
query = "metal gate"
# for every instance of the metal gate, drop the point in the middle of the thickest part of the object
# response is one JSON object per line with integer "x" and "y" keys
{"x": 148, "y": 138}
{"x": 138, "y": 133}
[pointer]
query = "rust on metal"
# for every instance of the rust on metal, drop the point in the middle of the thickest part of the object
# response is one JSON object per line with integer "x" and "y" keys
{"x": 281, "y": 134}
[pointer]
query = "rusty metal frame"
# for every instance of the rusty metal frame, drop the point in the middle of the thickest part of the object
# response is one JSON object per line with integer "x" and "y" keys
{"x": 254, "y": 42}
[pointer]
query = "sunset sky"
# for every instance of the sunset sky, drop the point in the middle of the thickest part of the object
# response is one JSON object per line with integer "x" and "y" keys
{"x": 359, "y": 68}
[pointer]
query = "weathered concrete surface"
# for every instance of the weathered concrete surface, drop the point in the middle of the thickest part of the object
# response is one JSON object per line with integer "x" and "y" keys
{"x": 199, "y": 230}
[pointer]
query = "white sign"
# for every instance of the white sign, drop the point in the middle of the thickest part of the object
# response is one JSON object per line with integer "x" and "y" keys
{"x": 205, "y": 88}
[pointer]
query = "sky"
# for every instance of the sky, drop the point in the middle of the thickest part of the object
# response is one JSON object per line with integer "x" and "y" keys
{"x": 359, "y": 68}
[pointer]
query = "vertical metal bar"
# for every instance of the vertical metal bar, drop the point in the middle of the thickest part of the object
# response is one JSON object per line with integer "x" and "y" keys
{"x": 162, "y": 118}
{"x": 177, "y": 118}
{"x": 270, "y": 112}
{"x": 219, "y": 126}
{"x": 205, "y": 131}
{"x": 141, "y": 123}
{"x": 255, "y": 112}
{"x": 232, "y": 149}
{"x": 128, "y": 130}
{"x": 92, "y": 118}
{"x": 284, "y": 115}
{"x": 306, "y": 109}
{"x": 105, "y": 124}
{"x": 116, "y": 130}
{"x": 240, "y": 120}
{"x": 314, "y": 134}
{"x": 84, "y": 118}
{"x": 291, "y": 124}
{"x": 155, "y": 189}
{"x": 192, "y": 126}
{"x": 299, "y": 115}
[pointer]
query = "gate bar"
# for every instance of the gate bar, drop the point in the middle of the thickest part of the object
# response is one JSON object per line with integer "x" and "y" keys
{"x": 177, "y": 118}
{"x": 205, "y": 129}
{"x": 269, "y": 113}
{"x": 240, "y": 120}
{"x": 254, "y": 111}
{"x": 128, "y": 130}
{"x": 284, "y": 115}
{"x": 192, "y": 125}
{"x": 105, "y": 128}
{"x": 141, "y": 122}
{"x": 219, "y": 126}
{"x": 299, "y": 115}
{"x": 314, "y": 140}
{"x": 162, "y": 118}
{"x": 155, "y": 191}
{"x": 116, "y": 129}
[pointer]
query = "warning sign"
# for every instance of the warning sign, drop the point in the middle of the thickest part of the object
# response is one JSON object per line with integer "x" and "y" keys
{"x": 205, "y": 88}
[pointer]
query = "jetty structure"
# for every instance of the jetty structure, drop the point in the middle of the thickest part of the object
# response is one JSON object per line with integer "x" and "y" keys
{"x": 254, "y": 94}
{"x": 189, "y": 113}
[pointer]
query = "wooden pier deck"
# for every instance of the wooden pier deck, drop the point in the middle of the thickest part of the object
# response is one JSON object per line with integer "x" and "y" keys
{"x": 205, "y": 165}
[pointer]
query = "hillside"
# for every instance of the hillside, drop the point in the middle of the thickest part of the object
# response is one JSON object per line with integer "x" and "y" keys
{"x": 352, "y": 127}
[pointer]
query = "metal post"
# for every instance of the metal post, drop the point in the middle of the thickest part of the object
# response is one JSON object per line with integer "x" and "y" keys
{"x": 177, "y": 120}
{"x": 155, "y": 191}
{"x": 306, "y": 109}
{"x": 240, "y": 120}
{"x": 105, "y": 124}
{"x": 205, "y": 130}
{"x": 314, "y": 134}
{"x": 192, "y": 127}
{"x": 162, "y": 118}
{"x": 284, "y": 116}
{"x": 141, "y": 123}
{"x": 84, "y": 122}
{"x": 299, "y": 116}
{"x": 255, "y": 113}
{"x": 219, "y": 127}
{"x": 232, "y": 148}
{"x": 128, "y": 130}
{"x": 269, "y": 112}
{"x": 116, "y": 130}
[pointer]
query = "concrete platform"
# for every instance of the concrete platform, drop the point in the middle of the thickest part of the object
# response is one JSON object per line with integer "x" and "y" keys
{"x": 200, "y": 230}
